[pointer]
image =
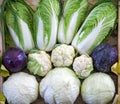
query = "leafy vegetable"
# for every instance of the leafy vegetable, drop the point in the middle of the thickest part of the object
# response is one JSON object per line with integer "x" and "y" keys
{"x": 4, "y": 72}
{"x": 95, "y": 28}
{"x": 19, "y": 21}
{"x": 2, "y": 42}
{"x": 60, "y": 86}
{"x": 9, "y": 40}
{"x": 74, "y": 12}
{"x": 115, "y": 68}
{"x": 46, "y": 24}
{"x": 20, "y": 88}
{"x": 2, "y": 98}
{"x": 98, "y": 88}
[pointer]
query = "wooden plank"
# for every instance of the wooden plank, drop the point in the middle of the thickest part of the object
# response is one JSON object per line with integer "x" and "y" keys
{"x": 32, "y": 3}
{"x": 119, "y": 49}
{"x": 1, "y": 78}
{"x": 1, "y": 2}
{"x": 1, "y": 82}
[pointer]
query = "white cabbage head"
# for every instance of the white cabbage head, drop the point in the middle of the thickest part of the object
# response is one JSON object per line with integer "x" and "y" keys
{"x": 60, "y": 86}
{"x": 98, "y": 88}
{"x": 20, "y": 88}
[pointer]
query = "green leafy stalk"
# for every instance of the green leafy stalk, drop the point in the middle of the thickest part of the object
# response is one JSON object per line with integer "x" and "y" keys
{"x": 74, "y": 12}
{"x": 19, "y": 19}
{"x": 95, "y": 27}
{"x": 46, "y": 24}
{"x": 2, "y": 42}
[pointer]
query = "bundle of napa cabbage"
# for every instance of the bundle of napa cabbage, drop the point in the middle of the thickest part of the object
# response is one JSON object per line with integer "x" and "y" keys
{"x": 95, "y": 28}
{"x": 74, "y": 12}
{"x": 19, "y": 19}
{"x": 46, "y": 24}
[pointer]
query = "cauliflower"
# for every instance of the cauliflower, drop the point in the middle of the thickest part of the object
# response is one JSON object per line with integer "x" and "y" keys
{"x": 20, "y": 88}
{"x": 82, "y": 66}
{"x": 63, "y": 55}
{"x": 39, "y": 63}
{"x": 60, "y": 86}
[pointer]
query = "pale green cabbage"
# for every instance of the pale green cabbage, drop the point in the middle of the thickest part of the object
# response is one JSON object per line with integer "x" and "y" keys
{"x": 98, "y": 88}
{"x": 46, "y": 24}
{"x": 74, "y": 12}
{"x": 60, "y": 86}
{"x": 95, "y": 28}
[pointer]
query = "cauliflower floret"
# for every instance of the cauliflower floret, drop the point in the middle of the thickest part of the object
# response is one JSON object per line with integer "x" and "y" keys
{"x": 39, "y": 63}
{"x": 63, "y": 55}
{"x": 83, "y": 65}
{"x": 20, "y": 88}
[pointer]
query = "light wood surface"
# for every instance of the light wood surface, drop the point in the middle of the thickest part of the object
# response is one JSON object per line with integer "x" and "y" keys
{"x": 1, "y": 82}
{"x": 119, "y": 49}
{"x": 33, "y": 3}
{"x": 1, "y": 78}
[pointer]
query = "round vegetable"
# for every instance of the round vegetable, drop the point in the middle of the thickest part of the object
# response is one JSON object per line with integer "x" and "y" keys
{"x": 60, "y": 86}
{"x": 83, "y": 65}
{"x": 104, "y": 56}
{"x": 98, "y": 88}
{"x": 14, "y": 59}
{"x": 39, "y": 62}
{"x": 63, "y": 55}
{"x": 20, "y": 88}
